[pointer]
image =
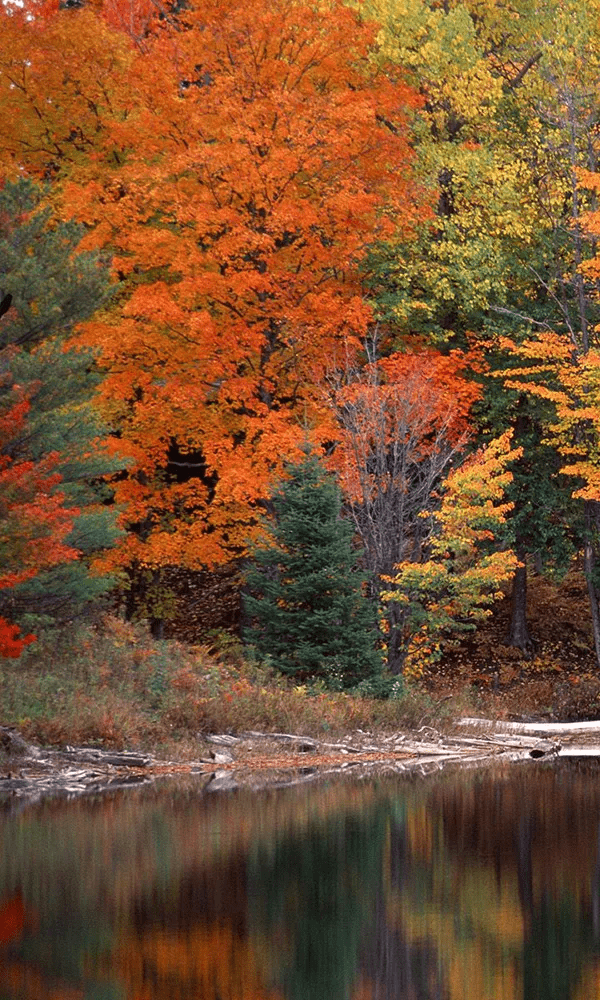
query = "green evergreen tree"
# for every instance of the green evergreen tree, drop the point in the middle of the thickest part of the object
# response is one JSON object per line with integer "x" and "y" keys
{"x": 306, "y": 604}
{"x": 55, "y": 285}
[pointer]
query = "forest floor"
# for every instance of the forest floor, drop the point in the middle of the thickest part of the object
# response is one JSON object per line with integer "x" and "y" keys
{"x": 559, "y": 680}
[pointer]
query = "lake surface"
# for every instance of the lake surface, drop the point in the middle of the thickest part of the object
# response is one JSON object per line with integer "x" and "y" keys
{"x": 481, "y": 885}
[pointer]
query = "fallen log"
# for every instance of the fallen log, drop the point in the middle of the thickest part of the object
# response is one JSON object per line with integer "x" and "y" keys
{"x": 87, "y": 755}
{"x": 534, "y": 728}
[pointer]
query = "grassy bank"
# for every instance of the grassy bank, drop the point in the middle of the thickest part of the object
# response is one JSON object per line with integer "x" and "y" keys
{"x": 111, "y": 685}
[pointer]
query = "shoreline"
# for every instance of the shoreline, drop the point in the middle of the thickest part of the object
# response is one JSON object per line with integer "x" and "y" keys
{"x": 30, "y": 774}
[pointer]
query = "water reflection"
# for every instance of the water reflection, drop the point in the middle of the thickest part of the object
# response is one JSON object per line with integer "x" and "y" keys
{"x": 477, "y": 886}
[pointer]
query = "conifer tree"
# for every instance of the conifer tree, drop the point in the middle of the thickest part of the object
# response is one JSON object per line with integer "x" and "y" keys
{"x": 306, "y": 604}
{"x": 53, "y": 285}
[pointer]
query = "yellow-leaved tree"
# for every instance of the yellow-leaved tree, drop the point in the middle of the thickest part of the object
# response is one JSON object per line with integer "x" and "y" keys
{"x": 467, "y": 559}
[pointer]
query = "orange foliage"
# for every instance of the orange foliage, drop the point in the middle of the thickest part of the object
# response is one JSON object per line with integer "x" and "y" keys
{"x": 237, "y": 167}
{"x": 33, "y": 521}
{"x": 415, "y": 403}
{"x": 136, "y": 18}
{"x": 58, "y": 75}
{"x": 11, "y": 643}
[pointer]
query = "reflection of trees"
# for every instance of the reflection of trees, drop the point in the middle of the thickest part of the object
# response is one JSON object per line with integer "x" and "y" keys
{"x": 461, "y": 926}
{"x": 558, "y": 944}
{"x": 199, "y": 895}
{"x": 558, "y": 935}
{"x": 189, "y": 937}
{"x": 312, "y": 897}
{"x": 512, "y": 877}
{"x": 19, "y": 980}
{"x": 449, "y": 888}
{"x": 397, "y": 966}
{"x": 208, "y": 962}
{"x": 99, "y": 875}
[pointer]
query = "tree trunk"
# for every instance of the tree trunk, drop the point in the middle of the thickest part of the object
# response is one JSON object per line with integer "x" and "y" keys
{"x": 131, "y": 594}
{"x": 518, "y": 634}
{"x": 396, "y": 653}
{"x": 157, "y": 628}
{"x": 589, "y": 566}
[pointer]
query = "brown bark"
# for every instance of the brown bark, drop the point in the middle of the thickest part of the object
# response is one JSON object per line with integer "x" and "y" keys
{"x": 589, "y": 568}
{"x": 518, "y": 634}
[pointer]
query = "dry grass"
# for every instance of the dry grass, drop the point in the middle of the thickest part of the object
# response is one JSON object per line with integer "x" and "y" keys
{"x": 112, "y": 685}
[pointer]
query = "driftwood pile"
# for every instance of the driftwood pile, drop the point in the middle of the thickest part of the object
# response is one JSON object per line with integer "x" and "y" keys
{"x": 254, "y": 759}
{"x": 30, "y": 773}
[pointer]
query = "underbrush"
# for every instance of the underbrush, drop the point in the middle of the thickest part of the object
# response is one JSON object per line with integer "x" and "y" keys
{"x": 111, "y": 685}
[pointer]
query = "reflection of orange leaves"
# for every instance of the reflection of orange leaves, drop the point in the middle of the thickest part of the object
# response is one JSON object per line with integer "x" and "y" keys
{"x": 213, "y": 961}
{"x": 20, "y": 980}
{"x": 364, "y": 989}
{"x": 12, "y": 919}
{"x": 420, "y": 832}
{"x": 17, "y": 977}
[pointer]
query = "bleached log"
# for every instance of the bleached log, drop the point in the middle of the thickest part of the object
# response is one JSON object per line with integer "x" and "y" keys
{"x": 535, "y": 728}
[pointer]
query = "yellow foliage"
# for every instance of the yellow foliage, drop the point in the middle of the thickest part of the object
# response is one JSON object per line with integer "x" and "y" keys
{"x": 462, "y": 573}
{"x": 570, "y": 380}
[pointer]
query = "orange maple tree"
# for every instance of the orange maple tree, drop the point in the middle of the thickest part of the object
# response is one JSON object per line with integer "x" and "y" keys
{"x": 237, "y": 163}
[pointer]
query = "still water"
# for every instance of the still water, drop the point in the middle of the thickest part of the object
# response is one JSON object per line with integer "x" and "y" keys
{"x": 463, "y": 886}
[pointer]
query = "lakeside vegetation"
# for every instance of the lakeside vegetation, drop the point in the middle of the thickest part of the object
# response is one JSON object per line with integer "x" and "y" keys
{"x": 111, "y": 684}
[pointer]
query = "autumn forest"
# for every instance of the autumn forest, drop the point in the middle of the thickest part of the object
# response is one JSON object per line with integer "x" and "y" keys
{"x": 302, "y": 296}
